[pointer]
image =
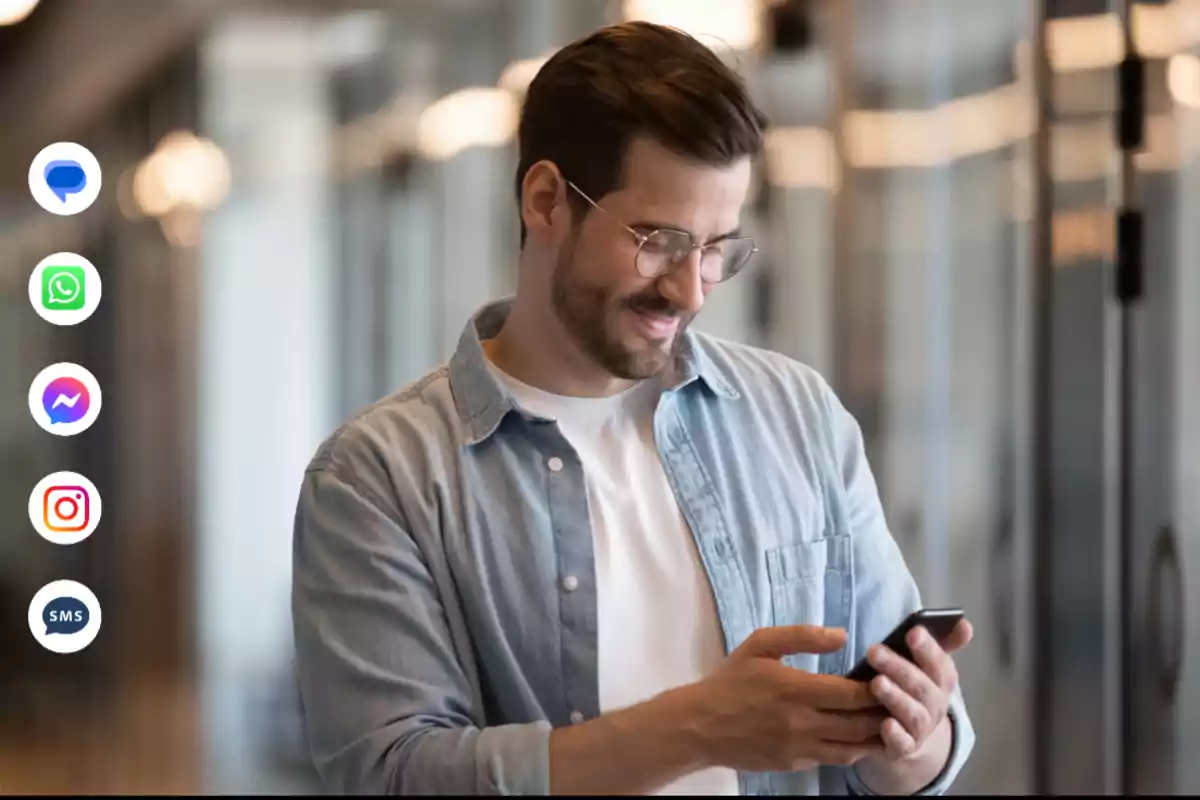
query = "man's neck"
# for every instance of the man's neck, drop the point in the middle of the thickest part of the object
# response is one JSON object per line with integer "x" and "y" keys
{"x": 541, "y": 353}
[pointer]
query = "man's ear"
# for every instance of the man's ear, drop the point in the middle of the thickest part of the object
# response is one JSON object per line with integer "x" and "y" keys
{"x": 544, "y": 208}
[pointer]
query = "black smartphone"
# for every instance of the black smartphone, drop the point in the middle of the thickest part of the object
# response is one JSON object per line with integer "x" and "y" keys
{"x": 940, "y": 622}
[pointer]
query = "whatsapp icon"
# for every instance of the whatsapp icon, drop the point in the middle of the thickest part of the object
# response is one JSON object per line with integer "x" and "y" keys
{"x": 64, "y": 288}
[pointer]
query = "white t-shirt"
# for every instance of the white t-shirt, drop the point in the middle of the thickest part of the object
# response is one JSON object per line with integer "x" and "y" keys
{"x": 658, "y": 624}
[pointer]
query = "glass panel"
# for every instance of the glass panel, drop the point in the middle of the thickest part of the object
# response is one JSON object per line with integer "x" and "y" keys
{"x": 930, "y": 341}
{"x": 1184, "y": 85}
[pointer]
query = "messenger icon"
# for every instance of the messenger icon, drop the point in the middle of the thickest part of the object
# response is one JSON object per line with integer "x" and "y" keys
{"x": 65, "y": 178}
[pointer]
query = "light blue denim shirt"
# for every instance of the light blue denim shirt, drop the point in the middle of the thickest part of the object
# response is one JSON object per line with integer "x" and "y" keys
{"x": 435, "y": 644}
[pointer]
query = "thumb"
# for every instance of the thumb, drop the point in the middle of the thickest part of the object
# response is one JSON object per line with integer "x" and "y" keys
{"x": 783, "y": 640}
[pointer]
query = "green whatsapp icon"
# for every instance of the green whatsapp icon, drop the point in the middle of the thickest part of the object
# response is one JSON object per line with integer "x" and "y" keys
{"x": 63, "y": 289}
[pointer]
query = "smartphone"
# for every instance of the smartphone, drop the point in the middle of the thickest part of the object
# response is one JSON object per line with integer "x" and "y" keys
{"x": 940, "y": 622}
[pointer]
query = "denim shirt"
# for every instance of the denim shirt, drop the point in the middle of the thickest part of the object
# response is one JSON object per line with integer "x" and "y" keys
{"x": 437, "y": 638}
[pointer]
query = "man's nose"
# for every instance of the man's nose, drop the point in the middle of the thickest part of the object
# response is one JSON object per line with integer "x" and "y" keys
{"x": 683, "y": 285}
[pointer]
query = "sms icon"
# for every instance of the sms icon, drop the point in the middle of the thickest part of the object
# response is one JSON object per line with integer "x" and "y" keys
{"x": 64, "y": 616}
{"x": 64, "y": 508}
{"x": 64, "y": 178}
{"x": 64, "y": 399}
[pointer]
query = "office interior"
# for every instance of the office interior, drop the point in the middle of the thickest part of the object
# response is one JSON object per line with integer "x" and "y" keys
{"x": 304, "y": 200}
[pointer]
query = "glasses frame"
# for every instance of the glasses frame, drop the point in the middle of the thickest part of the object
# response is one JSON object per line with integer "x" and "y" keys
{"x": 642, "y": 238}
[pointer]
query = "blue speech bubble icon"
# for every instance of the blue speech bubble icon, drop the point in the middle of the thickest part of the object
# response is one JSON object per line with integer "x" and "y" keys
{"x": 65, "y": 177}
{"x": 65, "y": 615}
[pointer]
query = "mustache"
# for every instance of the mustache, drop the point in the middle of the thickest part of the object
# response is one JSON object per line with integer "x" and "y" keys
{"x": 653, "y": 303}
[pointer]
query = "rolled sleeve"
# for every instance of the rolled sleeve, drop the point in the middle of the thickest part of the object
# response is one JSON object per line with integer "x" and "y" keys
{"x": 515, "y": 759}
{"x": 962, "y": 743}
{"x": 388, "y": 707}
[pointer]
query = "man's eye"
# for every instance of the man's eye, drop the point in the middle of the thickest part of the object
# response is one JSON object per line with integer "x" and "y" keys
{"x": 658, "y": 242}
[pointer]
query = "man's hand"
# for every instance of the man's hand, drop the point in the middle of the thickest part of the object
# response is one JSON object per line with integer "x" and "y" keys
{"x": 754, "y": 714}
{"x": 916, "y": 736}
{"x": 917, "y": 695}
{"x": 759, "y": 715}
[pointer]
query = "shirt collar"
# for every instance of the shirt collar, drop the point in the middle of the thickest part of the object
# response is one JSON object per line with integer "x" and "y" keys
{"x": 482, "y": 401}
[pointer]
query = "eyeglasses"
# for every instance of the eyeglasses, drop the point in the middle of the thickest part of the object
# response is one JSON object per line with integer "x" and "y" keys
{"x": 662, "y": 250}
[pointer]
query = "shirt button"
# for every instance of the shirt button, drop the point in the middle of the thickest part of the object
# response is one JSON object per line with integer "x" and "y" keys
{"x": 570, "y": 583}
{"x": 576, "y": 717}
{"x": 555, "y": 464}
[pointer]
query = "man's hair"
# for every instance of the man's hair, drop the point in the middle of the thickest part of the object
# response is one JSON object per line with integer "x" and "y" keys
{"x": 591, "y": 99}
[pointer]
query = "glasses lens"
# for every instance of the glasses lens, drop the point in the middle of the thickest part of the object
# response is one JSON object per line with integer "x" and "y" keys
{"x": 664, "y": 250}
{"x": 722, "y": 260}
{"x": 661, "y": 251}
{"x": 734, "y": 254}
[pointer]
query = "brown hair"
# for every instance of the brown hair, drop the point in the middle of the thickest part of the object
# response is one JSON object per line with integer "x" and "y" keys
{"x": 594, "y": 96}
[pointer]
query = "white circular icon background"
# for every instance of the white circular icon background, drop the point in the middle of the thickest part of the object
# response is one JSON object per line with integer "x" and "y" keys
{"x": 64, "y": 642}
{"x": 64, "y": 369}
{"x": 71, "y": 203}
{"x": 64, "y": 508}
{"x": 54, "y": 289}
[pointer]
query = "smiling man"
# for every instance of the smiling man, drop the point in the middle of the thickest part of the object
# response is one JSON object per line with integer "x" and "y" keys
{"x": 599, "y": 552}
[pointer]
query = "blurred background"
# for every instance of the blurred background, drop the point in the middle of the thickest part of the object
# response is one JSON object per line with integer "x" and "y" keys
{"x": 304, "y": 200}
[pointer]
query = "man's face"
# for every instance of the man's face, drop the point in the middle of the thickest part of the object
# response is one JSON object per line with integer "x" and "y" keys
{"x": 629, "y": 324}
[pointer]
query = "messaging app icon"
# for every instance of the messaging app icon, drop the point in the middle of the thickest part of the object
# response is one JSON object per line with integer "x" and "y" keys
{"x": 64, "y": 399}
{"x": 64, "y": 178}
{"x": 64, "y": 508}
{"x": 64, "y": 616}
{"x": 64, "y": 289}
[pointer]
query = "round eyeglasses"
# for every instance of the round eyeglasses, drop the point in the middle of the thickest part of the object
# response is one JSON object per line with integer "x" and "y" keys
{"x": 661, "y": 251}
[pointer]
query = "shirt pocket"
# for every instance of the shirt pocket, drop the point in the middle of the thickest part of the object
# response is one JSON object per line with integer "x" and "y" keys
{"x": 810, "y": 585}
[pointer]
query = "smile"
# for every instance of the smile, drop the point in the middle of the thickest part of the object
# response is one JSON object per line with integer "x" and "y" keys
{"x": 655, "y": 326}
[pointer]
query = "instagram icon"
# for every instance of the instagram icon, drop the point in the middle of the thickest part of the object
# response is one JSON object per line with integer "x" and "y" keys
{"x": 64, "y": 508}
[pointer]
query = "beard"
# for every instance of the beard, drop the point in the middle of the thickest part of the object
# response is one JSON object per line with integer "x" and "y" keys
{"x": 591, "y": 314}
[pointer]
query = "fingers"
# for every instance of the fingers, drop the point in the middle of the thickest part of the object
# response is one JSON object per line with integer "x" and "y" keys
{"x": 833, "y": 693}
{"x": 898, "y": 741}
{"x": 916, "y": 694}
{"x": 845, "y": 755}
{"x": 916, "y": 718}
{"x": 782, "y": 640}
{"x": 931, "y": 659}
{"x": 906, "y": 675}
{"x": 850, "y": 728}
{"x": 960, "y": 637}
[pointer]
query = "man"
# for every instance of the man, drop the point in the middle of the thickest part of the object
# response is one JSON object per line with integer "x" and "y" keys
{"x": 598, "y": 552}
